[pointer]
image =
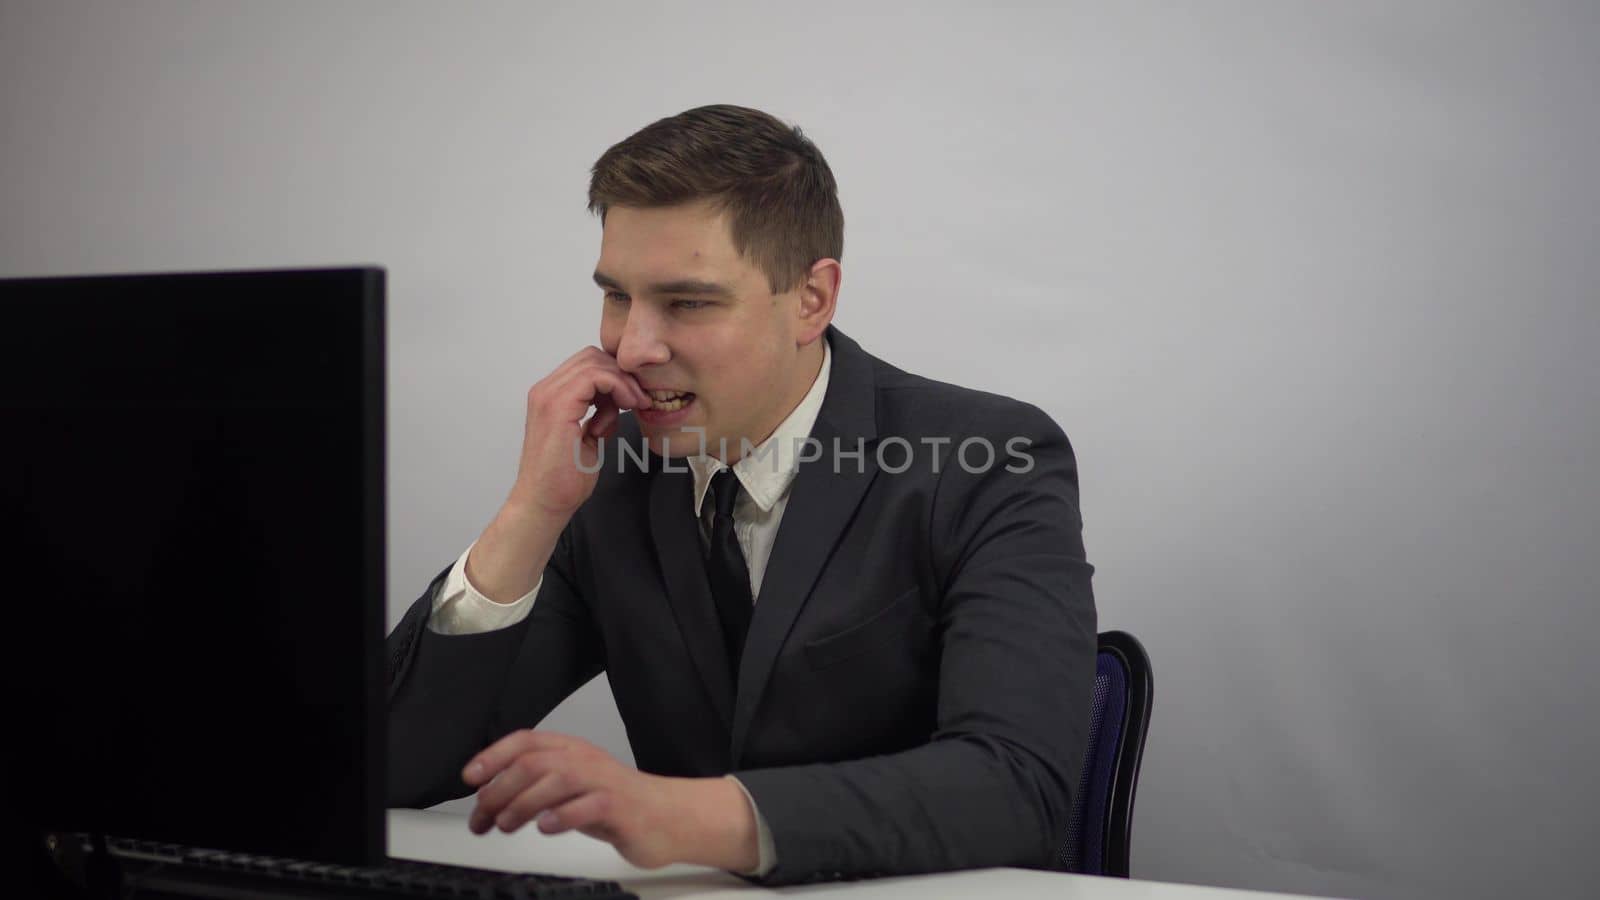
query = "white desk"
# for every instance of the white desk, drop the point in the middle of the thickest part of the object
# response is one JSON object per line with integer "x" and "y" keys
{"x": 443, "y": 837}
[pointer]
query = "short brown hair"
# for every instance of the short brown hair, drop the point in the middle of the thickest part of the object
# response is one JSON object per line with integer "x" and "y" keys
{"x": 781, "y": 198}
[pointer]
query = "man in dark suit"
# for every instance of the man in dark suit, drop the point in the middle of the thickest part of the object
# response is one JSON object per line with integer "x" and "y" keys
{"x": 844, "y": 610}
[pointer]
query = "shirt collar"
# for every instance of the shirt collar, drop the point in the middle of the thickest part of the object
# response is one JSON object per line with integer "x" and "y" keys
{"x": 765, "y": 477}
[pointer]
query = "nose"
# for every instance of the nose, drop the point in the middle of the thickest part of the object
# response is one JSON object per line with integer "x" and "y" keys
{"x": 641, "y": 344}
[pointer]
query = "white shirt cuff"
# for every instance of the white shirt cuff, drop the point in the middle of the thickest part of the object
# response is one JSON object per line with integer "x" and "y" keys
{"x": 460, "y": 609}
{"x": 767, "y": 854}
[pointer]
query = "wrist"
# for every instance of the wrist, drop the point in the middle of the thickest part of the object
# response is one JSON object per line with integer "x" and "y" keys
{"x": 718, "y": 828}
{"x": 506, "y": 561}
{"x": 525, "y": 509}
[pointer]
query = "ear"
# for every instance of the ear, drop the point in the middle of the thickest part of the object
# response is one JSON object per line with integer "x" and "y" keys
{"x": 818, "y": 297}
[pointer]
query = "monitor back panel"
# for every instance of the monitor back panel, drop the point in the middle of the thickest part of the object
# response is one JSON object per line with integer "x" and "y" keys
{"x": 193, "y": 472}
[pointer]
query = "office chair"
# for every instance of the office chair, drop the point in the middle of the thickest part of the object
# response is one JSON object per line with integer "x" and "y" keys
{"x": 1099, "y": 830}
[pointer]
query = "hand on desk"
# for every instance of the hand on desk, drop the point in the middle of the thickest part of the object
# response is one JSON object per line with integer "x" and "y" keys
{"x": 568, "y": 783}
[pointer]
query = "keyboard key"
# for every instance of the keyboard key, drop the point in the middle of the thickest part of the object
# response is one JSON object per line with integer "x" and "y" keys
{"x": 395, "y": 878}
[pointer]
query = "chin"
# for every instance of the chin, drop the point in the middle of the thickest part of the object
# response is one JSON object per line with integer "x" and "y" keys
{"x": 671, "y": 442}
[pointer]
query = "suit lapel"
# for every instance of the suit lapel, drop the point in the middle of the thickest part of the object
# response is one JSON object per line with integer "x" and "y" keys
{"x": 822, "y": 500}
{"x": 672, "y": 526}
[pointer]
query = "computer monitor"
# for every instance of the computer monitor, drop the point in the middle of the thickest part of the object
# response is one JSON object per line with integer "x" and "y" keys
{"x": 194, "y": 581}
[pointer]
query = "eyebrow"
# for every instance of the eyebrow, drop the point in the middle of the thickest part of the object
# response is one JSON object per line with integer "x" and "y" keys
{"x": 680, "y": 286}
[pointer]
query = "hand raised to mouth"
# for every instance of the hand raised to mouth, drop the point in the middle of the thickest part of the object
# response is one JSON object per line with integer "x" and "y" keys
{"x": 557, "y": 471}
{"x": 548, "y": 474}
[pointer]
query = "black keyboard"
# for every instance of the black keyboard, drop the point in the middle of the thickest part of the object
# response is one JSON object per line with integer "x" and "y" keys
{"x": 156, "y": 869}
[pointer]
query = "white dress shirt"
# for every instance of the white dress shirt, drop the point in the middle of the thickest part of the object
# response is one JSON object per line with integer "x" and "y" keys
{"x": 766, "y": 474}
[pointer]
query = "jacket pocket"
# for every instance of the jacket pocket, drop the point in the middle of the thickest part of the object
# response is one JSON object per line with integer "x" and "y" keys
{"x": 903, "y": 618}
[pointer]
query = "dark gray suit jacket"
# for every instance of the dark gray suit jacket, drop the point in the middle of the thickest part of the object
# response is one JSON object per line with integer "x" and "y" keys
{"x": 914, "y": 694}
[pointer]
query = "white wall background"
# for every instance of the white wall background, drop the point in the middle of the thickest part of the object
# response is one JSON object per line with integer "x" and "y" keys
{"x": 1311, "y": 286}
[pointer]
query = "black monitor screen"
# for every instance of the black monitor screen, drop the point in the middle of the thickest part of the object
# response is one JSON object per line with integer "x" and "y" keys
{"x": 193, "y": 481}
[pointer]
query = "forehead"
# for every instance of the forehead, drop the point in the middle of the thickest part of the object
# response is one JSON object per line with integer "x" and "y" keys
{"x": 684, "y": 240}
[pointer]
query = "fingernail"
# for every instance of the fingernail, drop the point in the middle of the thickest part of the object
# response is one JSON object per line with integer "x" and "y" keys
{"x": 549, "y": 819}
{"x": 475, "y": 770}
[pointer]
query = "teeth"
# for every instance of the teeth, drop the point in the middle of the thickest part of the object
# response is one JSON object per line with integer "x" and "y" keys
{"x": 670, "y": 405}
{"x": 669, "y": 401}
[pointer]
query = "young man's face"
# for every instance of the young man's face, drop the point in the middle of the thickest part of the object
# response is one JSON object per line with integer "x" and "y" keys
{"x": 683, "y": 312}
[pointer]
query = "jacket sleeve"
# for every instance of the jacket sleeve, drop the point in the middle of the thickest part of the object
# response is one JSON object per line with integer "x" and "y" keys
{"x": 452, "y": 695}
{"x": 993, "y": 786}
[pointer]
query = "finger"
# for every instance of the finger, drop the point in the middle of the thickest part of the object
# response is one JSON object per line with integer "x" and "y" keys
{"x": 584, "y": 387}
{"x": 603, "y": 423}
{"x": 634, "y": 382}
{"x": 588, "y": 811}
{"x": 556, "y": 788}
{"x": 502, "y": 789}
{"x": 491, "y": 759}
{"x": 595, "y": 356}
{"x": 640, "y": 397}
{"x": 564, "y": 377}
{"x": 587, "y": 356}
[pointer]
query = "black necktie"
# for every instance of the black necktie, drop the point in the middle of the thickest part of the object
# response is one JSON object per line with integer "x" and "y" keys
{"x": 726, "y": 569}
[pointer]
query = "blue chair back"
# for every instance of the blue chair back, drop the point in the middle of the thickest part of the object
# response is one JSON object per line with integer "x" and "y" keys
{"x": 1100, "y": 829}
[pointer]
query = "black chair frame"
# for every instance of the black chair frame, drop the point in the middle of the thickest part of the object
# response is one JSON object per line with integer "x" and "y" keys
{"x": 1118, "y": 838}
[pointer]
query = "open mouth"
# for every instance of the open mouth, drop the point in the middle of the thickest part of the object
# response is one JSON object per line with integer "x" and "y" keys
{"x": 669, "y": 401}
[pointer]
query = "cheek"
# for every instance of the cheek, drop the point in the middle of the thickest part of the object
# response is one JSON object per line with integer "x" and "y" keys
{"x": 747, "y": 389}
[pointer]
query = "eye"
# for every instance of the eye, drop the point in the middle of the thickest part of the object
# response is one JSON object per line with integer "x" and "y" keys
{"x": 616, "y": 297}
{"x": 690, "y": 304}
